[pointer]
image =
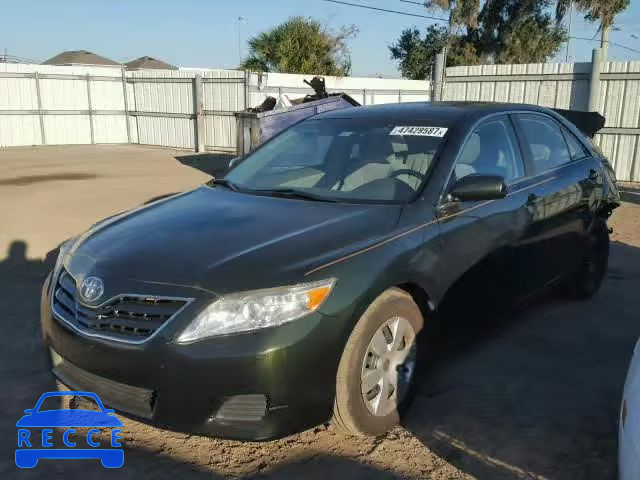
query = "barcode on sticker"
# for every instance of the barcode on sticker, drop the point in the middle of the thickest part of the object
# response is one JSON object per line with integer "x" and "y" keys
{"x": 419, "y": 131}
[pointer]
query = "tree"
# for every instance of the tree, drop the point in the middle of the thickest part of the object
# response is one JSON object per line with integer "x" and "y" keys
{"x": 603, "y": 11}
{"x": 415, "y": 53}
{"x": 461, "y": 12}
{"x": 301, "y": 45}
{"x": 502, "y": 31}
{"x": 518, "y": 31}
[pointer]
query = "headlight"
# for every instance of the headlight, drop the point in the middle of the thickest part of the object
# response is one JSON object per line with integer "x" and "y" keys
{"x": 242, "y": 312}
{"x": 62, "y": 253}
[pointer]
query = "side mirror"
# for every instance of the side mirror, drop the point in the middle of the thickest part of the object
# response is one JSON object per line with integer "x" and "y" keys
{"x": 479, "y": 187}
{"x": 234, "y": 161}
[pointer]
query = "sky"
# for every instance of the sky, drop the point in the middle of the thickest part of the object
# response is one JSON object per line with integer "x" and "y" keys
{"x": 204, "y": 33}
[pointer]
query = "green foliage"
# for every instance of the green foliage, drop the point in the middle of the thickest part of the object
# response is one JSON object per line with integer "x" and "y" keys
{"x": 461, "y": 12}
{"x": 518, "y": 31}
{"x": 301, "y": 45}
{"x": 502, "y": 31}
{"x": 603, "y": 11}
{"x": 415, "y": 53}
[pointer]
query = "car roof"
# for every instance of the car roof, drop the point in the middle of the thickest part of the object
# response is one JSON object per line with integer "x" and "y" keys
{"x": 446, "y": 112}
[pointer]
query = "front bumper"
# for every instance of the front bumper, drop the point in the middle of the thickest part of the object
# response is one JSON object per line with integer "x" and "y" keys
{"x": 253, "y": 386}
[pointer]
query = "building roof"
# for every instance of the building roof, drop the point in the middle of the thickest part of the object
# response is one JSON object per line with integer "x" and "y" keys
{"x": 148, "y": 62}
{"x": 79, "y": 57}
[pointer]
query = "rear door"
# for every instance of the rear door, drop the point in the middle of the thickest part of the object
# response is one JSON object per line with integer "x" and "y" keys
{"x": 563, "y": 180}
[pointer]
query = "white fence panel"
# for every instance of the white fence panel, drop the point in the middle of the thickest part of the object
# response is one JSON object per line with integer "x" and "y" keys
{"x": 555, "y": 85}
{"x": 19, "y": 130}
{"x": 166, "y": 132}
{"x": 163, "y": 104}
{"x": 620, "y": 104}
{"x": 67, "y": 129}
{"x": 564, "y": 85}
{"x": 223, "y": 94}
{"x": 18, "y": 94}
{"x": 64, "y": 94}
{"x": 367, "y": 91}
{"x": 42, "y": 104}
{"x": 49, "y": 104}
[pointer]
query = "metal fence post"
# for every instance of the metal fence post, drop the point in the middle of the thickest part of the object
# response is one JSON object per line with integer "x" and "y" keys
{"x": 594, "y": 80}
{"x": 438, "y": 81}
{"x": 43, "y": 138}
{"x": 198, "y": 110}
{"x": 93, "y": 138}
{"x": 126, "y": 104}
{"x": 247, "y": 89}
{"x": 364, "y": 96}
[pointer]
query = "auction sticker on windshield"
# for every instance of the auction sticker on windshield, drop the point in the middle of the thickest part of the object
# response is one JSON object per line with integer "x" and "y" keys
{"x": 420, "y": 131}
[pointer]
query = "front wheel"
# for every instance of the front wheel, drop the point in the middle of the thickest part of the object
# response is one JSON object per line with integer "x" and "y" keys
{"x": 586, "y": 281}
{"x": 375, "y": 378}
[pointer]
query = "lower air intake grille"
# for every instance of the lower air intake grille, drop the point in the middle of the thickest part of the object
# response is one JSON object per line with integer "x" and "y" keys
{"x": 125, "y": 317}
{"x": 243, "y": 408}
{"x": 134, "y": 400}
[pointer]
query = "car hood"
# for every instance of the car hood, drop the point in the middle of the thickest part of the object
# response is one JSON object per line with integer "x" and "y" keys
{"x": 219, "y": 240}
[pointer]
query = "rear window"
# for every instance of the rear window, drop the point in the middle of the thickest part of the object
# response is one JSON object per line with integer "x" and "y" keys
{"x": 345, "y": 159}
{"x": 545, "y": 140}
{"x": 576, "y": 149}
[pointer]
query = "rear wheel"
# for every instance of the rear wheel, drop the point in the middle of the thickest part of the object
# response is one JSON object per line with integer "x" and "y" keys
{"x": 375, "y": 378}
{"x": 586, "y": 281}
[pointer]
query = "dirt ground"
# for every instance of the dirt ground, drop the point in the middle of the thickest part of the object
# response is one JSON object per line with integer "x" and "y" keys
{"x": 532, "y": 395}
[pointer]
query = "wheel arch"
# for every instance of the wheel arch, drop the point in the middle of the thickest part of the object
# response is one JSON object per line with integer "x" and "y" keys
{"x": 419, "y": 295}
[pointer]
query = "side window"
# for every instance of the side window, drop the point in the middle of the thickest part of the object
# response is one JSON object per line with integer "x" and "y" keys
{"x": 576, "y": 150}
{"x": 545, "y": 141}
{"x": 491, "y": 150}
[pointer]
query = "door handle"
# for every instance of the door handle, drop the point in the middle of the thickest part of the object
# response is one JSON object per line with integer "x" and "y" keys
{"x": 593, "y": 175}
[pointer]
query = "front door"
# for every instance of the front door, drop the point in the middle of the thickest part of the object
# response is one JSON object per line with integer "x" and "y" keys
{"x": 487, "y": 242}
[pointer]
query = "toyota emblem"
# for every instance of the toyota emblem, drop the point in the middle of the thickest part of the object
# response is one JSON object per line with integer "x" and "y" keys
{"x": 91, "y": 289}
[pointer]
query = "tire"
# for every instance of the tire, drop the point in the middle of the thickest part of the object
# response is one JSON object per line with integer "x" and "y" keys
{"x": 395, "y": 319}
{"x": 585, "y": 283}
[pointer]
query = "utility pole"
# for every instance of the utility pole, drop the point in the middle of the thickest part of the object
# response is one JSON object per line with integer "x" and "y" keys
{"x": 604, "y": 41}
{"x": 240, "y": 20}
{"x": 566, "y": 58}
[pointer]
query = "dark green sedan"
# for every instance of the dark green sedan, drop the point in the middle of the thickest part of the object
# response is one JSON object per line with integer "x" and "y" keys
{"x": 293, "y": 290}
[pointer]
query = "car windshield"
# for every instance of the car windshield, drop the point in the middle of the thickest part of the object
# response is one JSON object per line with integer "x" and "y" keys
{"x": 342, "y": 160}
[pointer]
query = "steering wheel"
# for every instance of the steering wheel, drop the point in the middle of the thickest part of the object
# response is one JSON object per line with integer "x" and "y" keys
{"x": 407, "y": 171}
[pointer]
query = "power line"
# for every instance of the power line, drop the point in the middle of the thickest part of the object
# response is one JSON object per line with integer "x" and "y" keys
{"x": 413, "y": 3}
{"x": 397, "y": 12}
{"x": 609, "y": 42}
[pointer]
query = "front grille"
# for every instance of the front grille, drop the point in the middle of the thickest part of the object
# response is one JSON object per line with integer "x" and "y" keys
{"x": 126, "y": 398}
{"x": 125, "y": 317}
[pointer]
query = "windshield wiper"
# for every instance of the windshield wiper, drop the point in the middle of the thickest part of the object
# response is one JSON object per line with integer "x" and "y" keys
{"x": 294, "y": 193}
{"x": 225, "y": 183}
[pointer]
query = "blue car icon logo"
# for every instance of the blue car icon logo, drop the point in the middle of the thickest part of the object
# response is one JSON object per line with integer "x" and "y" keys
{"x": 30, "y": 450}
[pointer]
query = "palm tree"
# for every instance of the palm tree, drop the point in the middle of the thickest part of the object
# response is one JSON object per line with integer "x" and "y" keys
{"x": 603, "y": 11}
